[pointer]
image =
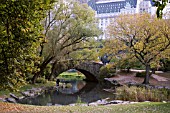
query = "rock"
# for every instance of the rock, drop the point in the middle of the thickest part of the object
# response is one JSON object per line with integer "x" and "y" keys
{"x": 160, "y": 87}
{"x": 164, "y": 101}
{"x": 125, "y": 102}
{"x": 35, "y": 90}
{"x": 101, "y": 102}
{"x": 57, "y": 105}
{"x": 2, "y": 100}
{"x": 147, "y": 101}
{"x": 13, "y": 96}
{"x": 93, "y": 104}
{"x": 109, "y": 90}
{"x": 49, "y": 104}
{"x": 28, "y": 94}
{"x": 166, "y": 87}
{"x": 12, "y": 100}
{"x": 116, "y": 102}
{"x": 115, "y": 82}
{"x": 112, "y": 82}
{"x": 83, "y": 105}
{"x": 133, "y": 102}
{"x": 131, "y": 84}
{"x": 72, "y": 104}
{"x": 21, "y": 97}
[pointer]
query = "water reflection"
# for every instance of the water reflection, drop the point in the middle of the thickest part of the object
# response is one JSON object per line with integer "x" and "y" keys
{"x": 87, "y": 92}
{"x": 75, "y": 87}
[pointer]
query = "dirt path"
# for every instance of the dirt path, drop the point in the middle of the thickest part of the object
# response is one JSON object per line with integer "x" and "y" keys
{"x": 156, "y": 79}
{"x": 159, "y": 78}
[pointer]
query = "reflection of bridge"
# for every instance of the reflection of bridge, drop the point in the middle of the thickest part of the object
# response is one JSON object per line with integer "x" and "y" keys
{"x": 91, "y": 92}
{"x": 90, "y": 69}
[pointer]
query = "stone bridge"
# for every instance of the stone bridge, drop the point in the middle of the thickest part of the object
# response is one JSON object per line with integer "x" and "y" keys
{"x": 90, "y": 69}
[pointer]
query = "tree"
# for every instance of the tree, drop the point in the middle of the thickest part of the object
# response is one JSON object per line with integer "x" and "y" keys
{"x": 20, "y": 36}
{"x": 142, "y": 36}
{"x": 160, "y": 4}
{"x": 71, "y": 23}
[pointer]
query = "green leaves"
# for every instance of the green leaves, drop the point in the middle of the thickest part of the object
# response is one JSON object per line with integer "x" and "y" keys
{"x": 20, "y": 32}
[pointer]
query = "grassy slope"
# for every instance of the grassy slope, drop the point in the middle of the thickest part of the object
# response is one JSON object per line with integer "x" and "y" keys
{"x": 130, "y": 108}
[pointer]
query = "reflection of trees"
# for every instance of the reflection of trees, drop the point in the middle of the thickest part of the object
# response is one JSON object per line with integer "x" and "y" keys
{"x": 76, "y": 87}
{"x": 39, "y": 100}
{"x": 89, "y": 93}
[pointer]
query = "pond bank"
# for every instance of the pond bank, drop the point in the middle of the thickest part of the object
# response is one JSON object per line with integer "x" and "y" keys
{"x": 27, "y": 88}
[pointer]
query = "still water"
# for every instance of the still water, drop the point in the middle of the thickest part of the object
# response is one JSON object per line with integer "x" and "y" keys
{"x": 80, "y": 91}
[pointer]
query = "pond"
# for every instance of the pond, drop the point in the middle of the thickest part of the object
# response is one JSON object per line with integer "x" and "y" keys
{"x": 79, "y": 91}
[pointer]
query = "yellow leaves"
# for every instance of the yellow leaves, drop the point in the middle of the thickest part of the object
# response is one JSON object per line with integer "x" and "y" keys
{"x": 139, "y": 46}
{"x": 143, "y": 35}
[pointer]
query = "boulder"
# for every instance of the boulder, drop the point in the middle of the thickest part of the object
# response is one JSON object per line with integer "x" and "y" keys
{"x": 133, "y": 102}
{"x": 93, "y": 104}
{"x": 116, "y": 102}
{"x": 83, "y": 105}
{"x": 72, "y": 104}
{"x": 49, "y": 104}
{"x": 14, "y": 96}
{"x": 102, "y": 102}
{"x": 12, "y": 100}
{"x": 57, "y": 105}
{"x": 28, "y": 94}
{"x": 112, "y": 82}
{"x": 109, "y": 90}
{"x": 164, "y": 101}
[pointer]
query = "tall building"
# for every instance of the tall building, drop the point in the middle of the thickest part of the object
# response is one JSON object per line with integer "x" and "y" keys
{"x": 83, "y": 1}
{"x": 107, "y": 10}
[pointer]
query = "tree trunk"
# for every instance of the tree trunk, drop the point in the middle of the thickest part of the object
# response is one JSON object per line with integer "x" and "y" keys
{"x": 42, "y": 67}
{"x": 147, "y": 76}
{"x": 41, "y": 47}
{"x": 35, "y": 77}
{"x": 52, "y": 71}
{"x": 128, "y": 69}
{"x": 153, "y": 71}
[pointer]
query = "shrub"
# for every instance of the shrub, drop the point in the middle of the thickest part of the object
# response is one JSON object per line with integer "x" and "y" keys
{"x": 107, "y": 71}
{"x": 41, "y": 80}
{"x": 141, "y": 74}
{"x": 29, "y": 77}
{"x": 140, "y": 94}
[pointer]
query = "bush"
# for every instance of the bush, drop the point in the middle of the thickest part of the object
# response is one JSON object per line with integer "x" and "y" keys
{"x": 141, "y": 74}
{"x": 29, "y": 77}
{"x": 41, "y": 80}
{"x": 107, "y": 71}
{"x": 139, "y": 94}
{"x": 165, "y": 65}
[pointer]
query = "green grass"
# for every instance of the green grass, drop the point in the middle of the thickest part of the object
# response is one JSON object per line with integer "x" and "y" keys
{"x": 151, "y": 107}
{"x": 71, "y": 76}
{"x": 72, "y": 73}
{"x": 4, "y": 92}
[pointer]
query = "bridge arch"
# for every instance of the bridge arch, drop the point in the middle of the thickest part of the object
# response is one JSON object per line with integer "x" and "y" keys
{"x": 90, "y": 69}
{"x": 88, "y": 75}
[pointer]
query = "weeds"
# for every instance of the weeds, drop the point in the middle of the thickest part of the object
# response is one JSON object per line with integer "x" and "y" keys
{"x": 141, "y": 94}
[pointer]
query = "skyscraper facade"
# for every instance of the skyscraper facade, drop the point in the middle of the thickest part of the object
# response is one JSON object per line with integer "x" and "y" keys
{"x": 107, "y": 10}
